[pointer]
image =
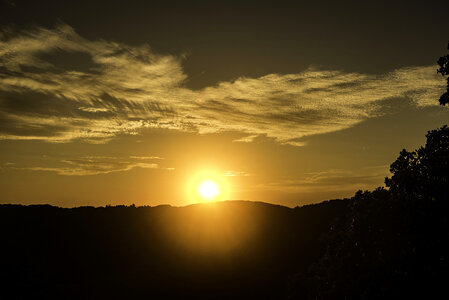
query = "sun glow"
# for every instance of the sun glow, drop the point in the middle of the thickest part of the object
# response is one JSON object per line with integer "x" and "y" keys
{"x": 207, "y": 186}
{"x": 208, "y": 189}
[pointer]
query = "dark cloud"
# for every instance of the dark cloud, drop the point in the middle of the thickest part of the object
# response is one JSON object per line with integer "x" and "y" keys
{"x": 31, "y": 103}
{"x": 303, "y": 116}
{"x": 16, "y": 128}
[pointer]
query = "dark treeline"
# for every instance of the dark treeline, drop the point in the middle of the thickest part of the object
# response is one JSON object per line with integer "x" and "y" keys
{"x": 228, "y": 250}
{"x": 388, "y": 243}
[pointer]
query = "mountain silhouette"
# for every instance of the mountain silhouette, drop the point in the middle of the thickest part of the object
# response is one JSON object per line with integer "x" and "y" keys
{"x": 228, "y": 250}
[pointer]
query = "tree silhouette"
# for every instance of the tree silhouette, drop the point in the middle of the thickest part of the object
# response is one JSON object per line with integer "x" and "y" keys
{"x": 443, "y": 62}
{"x": 391, "y": 243}
{"x": 421, "y": 175}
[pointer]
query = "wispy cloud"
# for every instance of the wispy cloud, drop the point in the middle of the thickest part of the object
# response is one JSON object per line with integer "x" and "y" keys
{"x": 93, "y": 109}
{"x": 122, "y": 89}
{"x": 231, "y": 173}
{"x": 336, "y": 180}
{"x": 93, "y": 165}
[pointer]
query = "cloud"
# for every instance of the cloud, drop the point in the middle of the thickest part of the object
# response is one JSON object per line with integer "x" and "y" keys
{"x": 145, "y": 157}
{"x": 94, "y": 165}
{"x": 93, "y": 109}
{"x": 314, "y": 101}
{"x": 337, "y": 180}
{"x": 58, "y": 86}
{"x": 231, "y": 173}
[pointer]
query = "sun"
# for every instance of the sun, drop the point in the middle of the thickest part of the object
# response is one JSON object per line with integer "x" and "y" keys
{"x": 207, "y": 185}
{"x": 209, "y": 189}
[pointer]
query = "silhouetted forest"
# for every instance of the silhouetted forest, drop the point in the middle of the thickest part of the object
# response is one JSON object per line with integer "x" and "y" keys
{"x": 222, "y": 250}
{"x": 388, "y": 243}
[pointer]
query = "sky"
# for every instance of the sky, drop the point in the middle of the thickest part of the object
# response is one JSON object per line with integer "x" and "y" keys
{"x": 292, "y": 103}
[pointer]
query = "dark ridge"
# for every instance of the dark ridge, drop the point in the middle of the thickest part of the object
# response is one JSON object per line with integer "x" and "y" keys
{"x": 224, "y": 250}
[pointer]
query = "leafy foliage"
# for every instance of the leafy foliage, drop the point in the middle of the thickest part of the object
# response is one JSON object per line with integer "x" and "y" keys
{"x": 422, "y": 175}
{"x": 443, "y": 62}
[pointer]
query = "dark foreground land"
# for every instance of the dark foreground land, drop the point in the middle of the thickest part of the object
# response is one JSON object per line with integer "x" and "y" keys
{"x": 228, "y": 250}
{"x": 222, "y": 249}
{"x": 218, "y": 250}
{"x": 386, "y": 244}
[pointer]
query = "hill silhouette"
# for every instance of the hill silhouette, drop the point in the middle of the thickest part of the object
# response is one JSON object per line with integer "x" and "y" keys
{"x": 228, "y": 250}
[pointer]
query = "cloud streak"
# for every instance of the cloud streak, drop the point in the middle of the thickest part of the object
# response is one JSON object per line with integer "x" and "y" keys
{"x": 338, "y": 180}
{"x": 121, "y": 89}
{"x": 94, "y": 165}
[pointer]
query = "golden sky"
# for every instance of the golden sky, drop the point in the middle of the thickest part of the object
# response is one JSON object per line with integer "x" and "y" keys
{"x": 135, "y": 104}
